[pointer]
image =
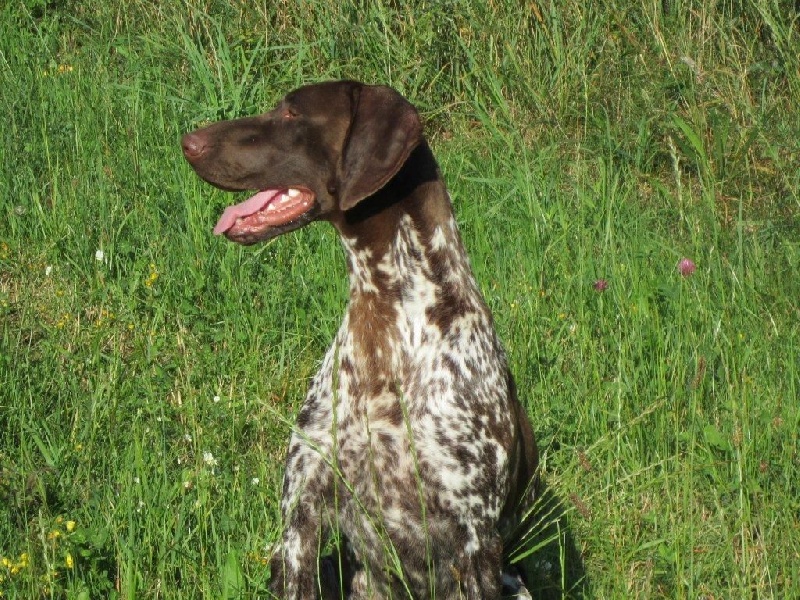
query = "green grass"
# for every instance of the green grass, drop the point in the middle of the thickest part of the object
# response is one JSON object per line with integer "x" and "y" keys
{"x": 578, "y": 143}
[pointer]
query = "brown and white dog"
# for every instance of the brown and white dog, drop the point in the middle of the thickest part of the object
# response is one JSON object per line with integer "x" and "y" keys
{"x": 411, "y": 444}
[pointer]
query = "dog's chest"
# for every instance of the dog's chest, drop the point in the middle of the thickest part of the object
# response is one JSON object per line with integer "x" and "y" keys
{"x": 417, "y": 378}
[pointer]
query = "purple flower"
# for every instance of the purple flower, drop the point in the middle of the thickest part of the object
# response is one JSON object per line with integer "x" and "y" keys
{"x": 686, "y": 267}
{"x": 601, "y": 285}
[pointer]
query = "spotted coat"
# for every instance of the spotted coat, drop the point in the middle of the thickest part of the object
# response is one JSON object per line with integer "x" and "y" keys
{"x": 411, "y": 448}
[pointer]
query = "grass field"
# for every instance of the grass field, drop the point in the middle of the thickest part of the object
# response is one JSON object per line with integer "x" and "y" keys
{"x": 149, "y": 372}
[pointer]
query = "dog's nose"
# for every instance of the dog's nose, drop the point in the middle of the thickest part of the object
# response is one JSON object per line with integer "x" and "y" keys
{"x": 193, "y": 144}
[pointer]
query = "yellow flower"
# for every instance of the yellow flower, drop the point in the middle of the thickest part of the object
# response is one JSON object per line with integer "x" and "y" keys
{"x": 68, "y": 561}
{"x": 53, "y": 534}
{"x": 70, "y": 526}
{"x": 23, "y": 559}
{"x": 5, "y": 562}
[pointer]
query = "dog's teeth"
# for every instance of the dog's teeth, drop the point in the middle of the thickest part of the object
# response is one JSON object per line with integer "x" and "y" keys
{"x": 293, "y": 193}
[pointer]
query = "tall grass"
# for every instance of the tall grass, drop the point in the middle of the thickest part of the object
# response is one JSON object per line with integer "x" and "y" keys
{"x": 149, "y": 373}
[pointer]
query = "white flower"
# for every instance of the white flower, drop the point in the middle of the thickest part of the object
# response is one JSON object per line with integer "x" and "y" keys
{"x": 48, "y": 269}
{"x": 100, "y": 256}
{"x": 209, "y": 459}
{"x": 187, "y": 437}
{"x": 136, "y": 480}
{"x": 216, "y": 399}
{"x": 255, "y": 481}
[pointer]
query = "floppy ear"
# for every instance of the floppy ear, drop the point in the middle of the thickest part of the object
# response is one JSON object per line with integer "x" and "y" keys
{"x": 384, "y": 129}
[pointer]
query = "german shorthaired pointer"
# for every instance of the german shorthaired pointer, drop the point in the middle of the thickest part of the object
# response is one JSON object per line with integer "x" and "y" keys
{"x": 411, "y": 448}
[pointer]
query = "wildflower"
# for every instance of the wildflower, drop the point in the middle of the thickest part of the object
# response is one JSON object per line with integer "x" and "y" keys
{"x": 70, "y": 526}
{"x": 209, "y": 459}
{"x": 151, "y": 279}
{"x": 255, "y": 481}
{"x": 100, "y": 256}
{"x": 47, "y": 270}
{"x": 187, "y": 437}
{"x": 601, "y": 285}
{"x": 216, "y": 399}
{"x": 686, "y": 267}
{"x": 16, "y": 567}
{"x": 68, "y": 561}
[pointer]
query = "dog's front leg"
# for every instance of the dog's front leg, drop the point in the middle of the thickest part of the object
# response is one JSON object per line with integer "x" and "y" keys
{"x": 307, "y": 482}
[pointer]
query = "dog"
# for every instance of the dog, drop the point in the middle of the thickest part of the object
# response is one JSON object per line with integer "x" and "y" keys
{"x": 411, "y": 448}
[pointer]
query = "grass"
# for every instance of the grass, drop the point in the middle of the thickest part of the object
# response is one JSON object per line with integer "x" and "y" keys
{"x": 149, "y": 372}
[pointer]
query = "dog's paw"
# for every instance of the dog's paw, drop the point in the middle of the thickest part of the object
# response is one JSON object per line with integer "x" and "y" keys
{"x": 514, "y": 587}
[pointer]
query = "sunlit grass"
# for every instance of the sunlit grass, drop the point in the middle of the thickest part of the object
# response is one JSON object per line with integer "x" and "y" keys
{"x": 149, "y": 372}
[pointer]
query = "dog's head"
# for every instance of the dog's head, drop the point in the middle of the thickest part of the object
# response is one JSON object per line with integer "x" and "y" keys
{"x": 321, "y": 151}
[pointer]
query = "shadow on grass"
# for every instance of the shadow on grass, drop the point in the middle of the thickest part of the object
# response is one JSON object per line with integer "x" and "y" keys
{"x": 554, "y": 568}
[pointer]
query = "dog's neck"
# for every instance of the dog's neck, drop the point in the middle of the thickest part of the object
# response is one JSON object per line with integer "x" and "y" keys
{"x": 409, "y": 272}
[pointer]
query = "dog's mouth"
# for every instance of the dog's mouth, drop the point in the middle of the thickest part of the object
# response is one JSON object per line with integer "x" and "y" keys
{"x": 266, "y": 214}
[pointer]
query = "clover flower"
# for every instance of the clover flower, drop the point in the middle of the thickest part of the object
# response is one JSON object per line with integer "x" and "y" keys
{"x": 686, "y": 267}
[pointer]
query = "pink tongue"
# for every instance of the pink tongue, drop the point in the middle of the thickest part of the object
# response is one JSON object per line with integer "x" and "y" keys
{"x": 245, "y": 209}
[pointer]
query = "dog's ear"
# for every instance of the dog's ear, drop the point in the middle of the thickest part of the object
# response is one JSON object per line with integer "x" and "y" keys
{"x": 384, "y": 129}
